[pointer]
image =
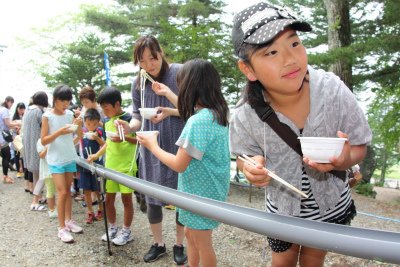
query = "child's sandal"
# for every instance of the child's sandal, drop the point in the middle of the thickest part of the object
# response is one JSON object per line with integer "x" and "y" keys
{"x": 7, "y": 180}
{"x": 37, "y": 207}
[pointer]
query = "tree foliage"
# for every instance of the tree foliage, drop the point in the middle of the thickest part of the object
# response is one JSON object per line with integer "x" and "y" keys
{"x": 185, "y": 29}
{"x": 374, "y": 56}
{"x": 79, "y": 64}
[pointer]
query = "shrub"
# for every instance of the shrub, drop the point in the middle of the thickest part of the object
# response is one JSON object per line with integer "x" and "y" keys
{"x": 365, "y": 189}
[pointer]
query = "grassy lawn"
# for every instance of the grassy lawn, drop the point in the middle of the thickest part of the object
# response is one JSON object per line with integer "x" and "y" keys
{"x": 393, "y": 173}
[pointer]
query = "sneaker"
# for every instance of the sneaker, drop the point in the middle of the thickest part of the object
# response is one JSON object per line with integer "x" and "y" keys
{"x": 170, "y": 207}
{"x": 73, "y": 227}
{"x": 124, "y": 236}
{"x": 99, "y": 215}
{"x": 65, "y": 235}
{"x": 90, "y": 218}
{"x": 53, "y": 214}
{"x": 112, "y": 233}
{"x": 154, "y": 253}
{"x": 180, "y": 257}
{"x": 20, "y": 174}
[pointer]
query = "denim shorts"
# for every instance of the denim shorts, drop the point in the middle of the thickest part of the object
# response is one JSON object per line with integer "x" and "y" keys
{"x": 70, "y": 167}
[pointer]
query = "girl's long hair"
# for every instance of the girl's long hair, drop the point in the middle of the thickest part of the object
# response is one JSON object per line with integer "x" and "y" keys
{"x": 253, "y": 90}
{"x": 200, "y": 84}
{"x": 153, "y": 45}
{"x": 16, "y": 116}
{"x": 8, "y": 99}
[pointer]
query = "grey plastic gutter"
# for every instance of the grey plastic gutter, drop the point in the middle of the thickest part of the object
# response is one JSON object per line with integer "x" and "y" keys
{"x": 357, "y": 242}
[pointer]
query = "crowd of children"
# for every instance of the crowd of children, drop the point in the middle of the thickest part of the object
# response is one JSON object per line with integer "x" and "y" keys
{"x": 190, "y": 150}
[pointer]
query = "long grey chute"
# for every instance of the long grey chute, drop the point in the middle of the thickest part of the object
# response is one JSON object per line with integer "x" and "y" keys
{"x": 352, "y": 241}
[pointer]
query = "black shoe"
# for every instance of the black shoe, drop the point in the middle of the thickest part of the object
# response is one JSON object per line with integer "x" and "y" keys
{"x": 154, "y": 253}
{"x": 179, "y": 255}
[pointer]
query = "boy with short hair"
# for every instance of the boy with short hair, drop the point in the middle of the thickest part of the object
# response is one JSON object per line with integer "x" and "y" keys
{"x": 90, "y": 146}
{"x": 87, "y": 97}
{"x": 120, "y": 157}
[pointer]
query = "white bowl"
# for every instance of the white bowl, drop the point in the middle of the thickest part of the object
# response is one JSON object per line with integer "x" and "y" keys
{"x": 111, "y": 134}
{"x": 89, "y": 135}
{"x": 146, "y": 132}
{"x": 148, "y": 113}
{"x": 321, "y": 149}
{"x": 72, "y": 127}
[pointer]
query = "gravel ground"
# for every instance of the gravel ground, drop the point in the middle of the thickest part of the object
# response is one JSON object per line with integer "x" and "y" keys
{"x": 29, "y": 238}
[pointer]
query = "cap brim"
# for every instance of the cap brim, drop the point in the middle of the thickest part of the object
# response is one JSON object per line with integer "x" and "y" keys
{"x": 267, "y": 32}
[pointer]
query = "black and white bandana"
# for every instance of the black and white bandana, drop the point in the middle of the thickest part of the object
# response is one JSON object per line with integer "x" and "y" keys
{"x": 260, "y": 23}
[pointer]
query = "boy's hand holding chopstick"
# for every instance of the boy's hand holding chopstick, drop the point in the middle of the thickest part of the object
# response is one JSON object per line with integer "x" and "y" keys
{"x": 91, "y": 158}
{"x": 120, "y": 124}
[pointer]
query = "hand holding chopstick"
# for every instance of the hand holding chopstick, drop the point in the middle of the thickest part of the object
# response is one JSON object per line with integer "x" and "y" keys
{"x": 252, "y": 162}
{"x": 121, "y": 132}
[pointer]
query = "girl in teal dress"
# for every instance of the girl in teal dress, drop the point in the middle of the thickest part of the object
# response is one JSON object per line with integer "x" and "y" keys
{"x": 202, "y": 160}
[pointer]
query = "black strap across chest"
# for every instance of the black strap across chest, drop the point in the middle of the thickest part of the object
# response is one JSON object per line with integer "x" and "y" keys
{"x": 268, "y": 115}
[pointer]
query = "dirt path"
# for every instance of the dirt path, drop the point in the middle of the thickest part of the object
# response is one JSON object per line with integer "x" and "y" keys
{"x": 29, "y": 238}
{"x": 387, "y": 194}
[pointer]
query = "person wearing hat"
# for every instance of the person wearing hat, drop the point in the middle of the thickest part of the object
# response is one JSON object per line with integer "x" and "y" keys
{"x": 308, "y": 102}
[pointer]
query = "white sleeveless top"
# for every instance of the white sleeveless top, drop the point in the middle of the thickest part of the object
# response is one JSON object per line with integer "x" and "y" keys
{"x": 62, "y": 150}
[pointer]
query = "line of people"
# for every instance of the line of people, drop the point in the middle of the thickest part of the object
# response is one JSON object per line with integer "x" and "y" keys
{"x": 191, "y": 150}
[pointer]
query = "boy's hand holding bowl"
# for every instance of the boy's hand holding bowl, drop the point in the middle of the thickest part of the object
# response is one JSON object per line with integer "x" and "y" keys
{"x": 90, "y": 135}
{"x": 114, "y": 137}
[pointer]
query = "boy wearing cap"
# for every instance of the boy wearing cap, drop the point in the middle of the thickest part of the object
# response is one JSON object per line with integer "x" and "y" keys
{"x": 304, "y": 101}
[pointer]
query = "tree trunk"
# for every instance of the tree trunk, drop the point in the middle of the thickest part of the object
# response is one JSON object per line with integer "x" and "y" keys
{"x": 368, "y": 165}
{"x": 384, "y": 166}
{"x": 338, "y": 12}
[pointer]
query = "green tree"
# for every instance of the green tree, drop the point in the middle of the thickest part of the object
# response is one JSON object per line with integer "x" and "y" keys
{"x": 374, "y": 57}
{"x": 79, "y": 64}
{"x": 186, "y": 30}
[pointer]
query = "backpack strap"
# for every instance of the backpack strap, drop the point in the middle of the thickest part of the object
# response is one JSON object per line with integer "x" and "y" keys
{"x": 268, "y": 115}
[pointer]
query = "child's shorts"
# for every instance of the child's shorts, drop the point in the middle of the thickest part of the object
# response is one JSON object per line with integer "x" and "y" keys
{"x": 88, "y": 181}
{"x": 114, "y": 187}
{"x": 71, "y": 167}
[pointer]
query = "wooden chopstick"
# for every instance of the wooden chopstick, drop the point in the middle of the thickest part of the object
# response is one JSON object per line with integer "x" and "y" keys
{"x": 149, "y": 78}
{"x": 252, "y": 162}
{"x": 146, "y": 75}
{"x": 121, "y": 132}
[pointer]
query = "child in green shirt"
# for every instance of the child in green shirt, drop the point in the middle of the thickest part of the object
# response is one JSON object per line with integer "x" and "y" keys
{"x": 119, "y": 157}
